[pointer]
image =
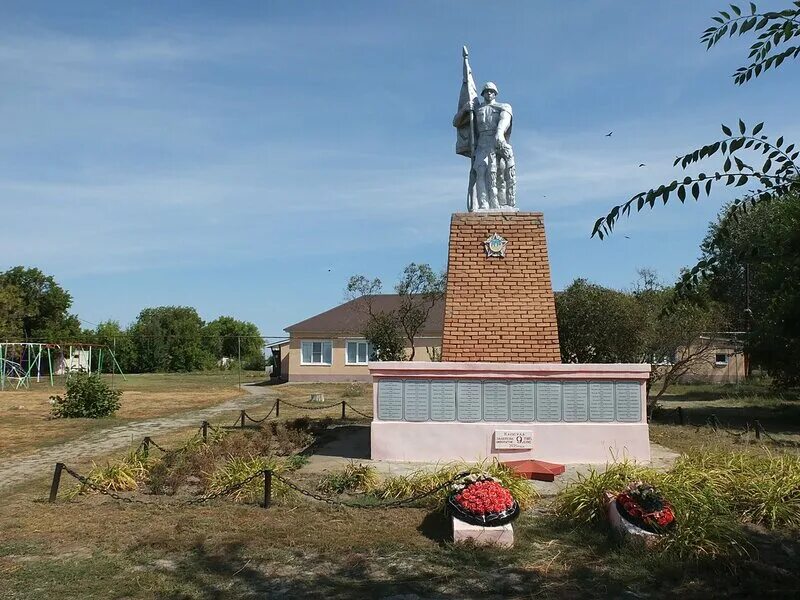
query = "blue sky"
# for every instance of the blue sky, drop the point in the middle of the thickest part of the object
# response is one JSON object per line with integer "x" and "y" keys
{"x": 246, "y": 158}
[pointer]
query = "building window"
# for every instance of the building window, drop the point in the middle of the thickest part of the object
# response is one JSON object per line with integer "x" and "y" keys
{"x": 359, "y": 352}
{"x": 315, "y": 353}
{"x": 721, "y": 360}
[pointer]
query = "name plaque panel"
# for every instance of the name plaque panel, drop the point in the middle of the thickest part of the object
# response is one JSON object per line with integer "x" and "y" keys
{"x": 548, "y": 401}
{"x": 416, "y": 398}
{"x": 629, "y": 402}
{"x": 469, "y": 401}
{"x": 443, "y": 400}
{"x": 576, "y": 401}
{"x": 495, "y": 401}
{"x": 601, "y": 401}
{"x": 390, "y": 400}
{"x": 513, "y": 440}
{"x": 522, "y": 401}
{"x": 504, "y": 401}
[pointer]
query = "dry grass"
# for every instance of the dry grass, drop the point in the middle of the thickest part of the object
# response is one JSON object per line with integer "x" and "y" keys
{"x": 93, "y": 547}
{"x": 25, "y": 422}
{"x": 96, "y": 548}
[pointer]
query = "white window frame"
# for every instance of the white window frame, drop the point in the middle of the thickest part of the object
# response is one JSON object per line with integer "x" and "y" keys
{"x": 723, "y": 363}
{"x": 312, "y": 363}
{"x": 347, "y": 353}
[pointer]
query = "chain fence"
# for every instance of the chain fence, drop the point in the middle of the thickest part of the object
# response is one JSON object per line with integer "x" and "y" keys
{"x": 266, "y": 474}
{"x": 87, "y": 482}
{"x": 391, "y": 504}
{"x": 755, "y": 429}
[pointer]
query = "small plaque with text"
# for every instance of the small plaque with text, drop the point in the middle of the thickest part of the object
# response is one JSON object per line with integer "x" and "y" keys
{"x": 513, "y": 440}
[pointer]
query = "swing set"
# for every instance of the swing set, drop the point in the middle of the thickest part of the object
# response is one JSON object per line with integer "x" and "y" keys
{"x": 20, "y": 362}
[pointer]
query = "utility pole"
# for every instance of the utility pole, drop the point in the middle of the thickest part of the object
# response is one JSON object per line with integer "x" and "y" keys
{"x": 748, "y": 317}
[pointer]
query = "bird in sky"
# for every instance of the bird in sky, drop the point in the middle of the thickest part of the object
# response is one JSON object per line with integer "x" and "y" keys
{"x": 642, "y": 164}
{"x": 609, "y": 134}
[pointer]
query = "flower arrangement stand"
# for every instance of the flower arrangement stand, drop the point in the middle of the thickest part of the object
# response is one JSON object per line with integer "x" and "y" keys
{"x": 626, "y": 530}
{"x": 483, "y": 536}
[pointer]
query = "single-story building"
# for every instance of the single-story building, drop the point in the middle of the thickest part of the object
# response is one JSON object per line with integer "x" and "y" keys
{"x": 330, "y": 346}
{"x": 720, "y": 359}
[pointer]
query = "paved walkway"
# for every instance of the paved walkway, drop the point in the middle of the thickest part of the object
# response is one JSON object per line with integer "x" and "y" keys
{"x": 16, "y": 469}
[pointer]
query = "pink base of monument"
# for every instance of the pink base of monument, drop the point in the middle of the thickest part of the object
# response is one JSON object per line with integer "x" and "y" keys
{"x": 565, "y": 442}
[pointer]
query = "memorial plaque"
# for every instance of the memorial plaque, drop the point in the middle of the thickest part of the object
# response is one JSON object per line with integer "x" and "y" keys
{"x": 548, "y": 401}
{"x": 522, "y": 401}
{"x": 629, "y": 402}
{"x": 495, "y": 401}
{"x": 443, "y": 400}
{"x": 576, "y": 401}
{"x": 601, "y": 401}
{"x": 513, "y": 440}
{"x": 390, "y": 400}
{"x": 468, "y": 401}
{"x": 416, "y": 399}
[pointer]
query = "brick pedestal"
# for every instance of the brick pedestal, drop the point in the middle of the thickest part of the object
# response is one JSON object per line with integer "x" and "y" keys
{"x": 499, "y": 309}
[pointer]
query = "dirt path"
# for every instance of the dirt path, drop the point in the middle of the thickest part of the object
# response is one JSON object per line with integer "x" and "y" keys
{"x": 16, "y": 469}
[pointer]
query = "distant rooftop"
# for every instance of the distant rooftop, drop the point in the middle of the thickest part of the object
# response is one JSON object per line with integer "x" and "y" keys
{"x": 350, "y": 319}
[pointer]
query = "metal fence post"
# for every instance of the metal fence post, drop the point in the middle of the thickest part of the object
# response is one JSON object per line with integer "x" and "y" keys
{"x": 277, "y": 408}
{"x": 343, "y": 405}
{"x": 680, "y": 416}
{"x": 205, "y": 431}
{"x": 758, "y": 427}
{"x": 267, "y": 488}
{"x": 56, "y": 481}
{"x": 243, "y": 417}
{"x": 146, "y": 446}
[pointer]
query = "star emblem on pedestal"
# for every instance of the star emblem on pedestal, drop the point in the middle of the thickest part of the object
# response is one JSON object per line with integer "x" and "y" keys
{"x": 495, "y": 245}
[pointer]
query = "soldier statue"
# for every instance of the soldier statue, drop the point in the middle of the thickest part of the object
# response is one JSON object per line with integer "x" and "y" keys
{"x": 484, "y": 134}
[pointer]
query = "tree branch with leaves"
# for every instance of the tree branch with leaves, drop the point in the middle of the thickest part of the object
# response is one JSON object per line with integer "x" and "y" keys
{"x": 778, "y": 176}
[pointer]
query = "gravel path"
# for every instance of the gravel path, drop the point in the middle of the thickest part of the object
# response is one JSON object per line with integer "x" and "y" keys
{"x": 16, "y": 469}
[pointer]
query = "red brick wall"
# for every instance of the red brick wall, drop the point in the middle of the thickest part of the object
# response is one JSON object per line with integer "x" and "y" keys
{"x": 499, "y": 309}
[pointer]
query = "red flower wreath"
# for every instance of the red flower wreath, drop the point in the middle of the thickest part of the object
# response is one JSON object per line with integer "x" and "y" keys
{"x": 485, "y": 497}
{"x": 643, "y": 505}
{"x": 480, "y": 499}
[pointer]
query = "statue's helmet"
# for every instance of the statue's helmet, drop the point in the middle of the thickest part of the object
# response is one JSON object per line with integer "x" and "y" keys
{"x": 489, "y": 86}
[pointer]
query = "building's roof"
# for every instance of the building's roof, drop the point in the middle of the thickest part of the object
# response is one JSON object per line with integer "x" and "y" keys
{"x": 350, "y": 318}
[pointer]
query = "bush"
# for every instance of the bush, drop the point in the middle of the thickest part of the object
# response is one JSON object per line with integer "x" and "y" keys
{"x": 352, "y": 478}
{"x": 87, "y": 396}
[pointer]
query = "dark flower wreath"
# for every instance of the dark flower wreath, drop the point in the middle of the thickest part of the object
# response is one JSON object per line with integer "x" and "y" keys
{"x": 642, "y": 504}
{"x": 482, "y": 500}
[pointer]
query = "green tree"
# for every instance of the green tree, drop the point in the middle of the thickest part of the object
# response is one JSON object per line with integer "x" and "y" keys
{"x": 169, "y": 338}
{"x": 11, "y": 312}
{"x": 44, "y": 305}
{"x": 226, "y": 337}
{"x": 750, "y": 158}
{"x": 419, "y": 289}
{"x": 112, "y": 335}
{"x": 598, "y": 324}
{"x": 764, "y": 248}
{"x": 678, "y": 333}
{"x": 385, "y": 336}
{"x": 648, "y": 325}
